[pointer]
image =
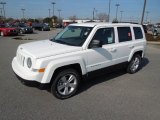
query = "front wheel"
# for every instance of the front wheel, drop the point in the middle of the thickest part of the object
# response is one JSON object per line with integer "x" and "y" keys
{"x": 134, "y": 64}
{"x": 21, "y": 32}
{"x": 2, "y": 33}
{"x": 65, "y": 84}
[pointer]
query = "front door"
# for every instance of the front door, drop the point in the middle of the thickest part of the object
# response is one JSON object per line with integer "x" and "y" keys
{"x": 102, "y": 57}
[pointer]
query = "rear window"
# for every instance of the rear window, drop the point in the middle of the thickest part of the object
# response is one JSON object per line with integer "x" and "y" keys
{"x": 124, "y": 34}
{"x": 138, "y": 33}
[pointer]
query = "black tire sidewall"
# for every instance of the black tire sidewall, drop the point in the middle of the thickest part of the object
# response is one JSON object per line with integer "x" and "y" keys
{"x": 21, "y": 32}
{"x": 54, "y": 90}
{"x": 131, "y": 63}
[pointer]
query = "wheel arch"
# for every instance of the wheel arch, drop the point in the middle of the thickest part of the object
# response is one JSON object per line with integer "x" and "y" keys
{"x": 75, "y": 66}
{"x": 139, "y": 52}
{"x": 55, "y": 66}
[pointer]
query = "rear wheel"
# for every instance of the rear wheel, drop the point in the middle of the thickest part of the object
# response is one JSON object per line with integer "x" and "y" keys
{"x": 65, "y": 84}
{"x": 134, "y": 64}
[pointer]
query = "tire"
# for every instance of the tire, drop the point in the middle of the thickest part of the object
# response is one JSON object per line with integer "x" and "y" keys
{"x": 21, "y": 32}
{"x": 2, "y": 33}
{"x": 65, "y": 84}
{"x": 134, "y": 64}
{"x": 155, "y": 33}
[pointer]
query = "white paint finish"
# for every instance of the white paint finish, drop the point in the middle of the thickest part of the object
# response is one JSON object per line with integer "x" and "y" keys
{"x": 50, "y": 55}
{"x": 47, "y": 48}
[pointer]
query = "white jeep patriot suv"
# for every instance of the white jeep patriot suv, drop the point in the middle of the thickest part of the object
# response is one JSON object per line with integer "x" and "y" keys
{"x": 78, "y": 50}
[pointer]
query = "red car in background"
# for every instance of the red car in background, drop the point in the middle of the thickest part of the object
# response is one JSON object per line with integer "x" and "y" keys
{"x": 7, "y": 31}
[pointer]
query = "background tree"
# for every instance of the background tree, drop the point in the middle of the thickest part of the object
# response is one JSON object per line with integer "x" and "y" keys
{"x": 115, "y": 20}
{"x": 9, "y": 20}
{"x": 73, "y": 18}
{"x": 103, "y": 17}
{"x": 48, "y": 20}
{"x": 31, "y": 20}
{"x": 55, "y": 19}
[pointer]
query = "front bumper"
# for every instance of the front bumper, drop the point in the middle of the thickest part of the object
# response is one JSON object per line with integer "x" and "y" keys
{"x": 26, "y": 76}
{"x": 28, "y": 31}
{"x": 25, "y": 73}
{"x": 33, "y": 83}
{"x": 11, "y": 33}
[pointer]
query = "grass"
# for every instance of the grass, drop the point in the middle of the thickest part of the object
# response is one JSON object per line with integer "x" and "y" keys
{"x": 150, "y": 37}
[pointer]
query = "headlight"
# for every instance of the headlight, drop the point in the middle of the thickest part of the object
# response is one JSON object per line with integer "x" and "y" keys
{"x": 29, "y": 62}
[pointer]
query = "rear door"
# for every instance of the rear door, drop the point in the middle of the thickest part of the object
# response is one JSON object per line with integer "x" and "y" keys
{"x": 125, "y": 44}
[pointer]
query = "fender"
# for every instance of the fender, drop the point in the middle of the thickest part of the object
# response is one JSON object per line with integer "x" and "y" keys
{"x": 53, "y": 65}
{"x": 136, "y": 49}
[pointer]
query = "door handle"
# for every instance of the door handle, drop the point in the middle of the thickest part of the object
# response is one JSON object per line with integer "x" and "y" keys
{"x": 131, "y": 47}
{"x": 112, "y": 50}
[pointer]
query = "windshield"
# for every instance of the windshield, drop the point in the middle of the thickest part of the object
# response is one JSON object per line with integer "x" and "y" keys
{"x": 73, "y": 35}
{"x": 22, "y": 25}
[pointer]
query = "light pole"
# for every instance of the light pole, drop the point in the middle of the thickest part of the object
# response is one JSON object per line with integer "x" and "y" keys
{"x": 1, "y": 12}
{"x": 121, "y": 15}
{"x": 144, "y": 7}
{"x": 93, "y": 12}
{"x": 117, "y": 5}
{"x": 109, "y": 10}
{"x": 59, "y": 13}
{"x": 3, "y": 3}
{"x": 49, "y": 12}
{"x": 147, "y": 16}
{"x": 53, "y": 7}
{"x": 23, "y": 12}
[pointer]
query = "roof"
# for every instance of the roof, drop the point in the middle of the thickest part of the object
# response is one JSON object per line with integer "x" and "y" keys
{"x": 92, "y": 24}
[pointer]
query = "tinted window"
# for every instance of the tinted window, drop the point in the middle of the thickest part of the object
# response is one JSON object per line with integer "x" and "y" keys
{"x": 124, "y": 34}
{"x": 106, "y": 35}
{"x": 138, "y": 33}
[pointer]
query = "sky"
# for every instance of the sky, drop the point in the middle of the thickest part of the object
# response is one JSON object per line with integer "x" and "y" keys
{"x": 84, "y": 8}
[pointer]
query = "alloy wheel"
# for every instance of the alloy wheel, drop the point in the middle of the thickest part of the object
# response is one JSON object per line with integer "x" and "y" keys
{"x": 67, "y": 84}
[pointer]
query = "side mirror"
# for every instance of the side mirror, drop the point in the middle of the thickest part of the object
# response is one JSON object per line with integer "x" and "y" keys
{"x": 95, "y": 44}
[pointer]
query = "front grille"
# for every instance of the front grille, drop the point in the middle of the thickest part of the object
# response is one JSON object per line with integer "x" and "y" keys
{"x": 20, "y": 59}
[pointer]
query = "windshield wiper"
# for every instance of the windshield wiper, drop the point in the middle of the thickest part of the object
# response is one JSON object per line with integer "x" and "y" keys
{"x": 60, "y": 41}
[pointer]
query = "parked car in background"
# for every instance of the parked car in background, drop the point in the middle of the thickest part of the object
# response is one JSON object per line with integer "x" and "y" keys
{"x": 41, "y": 26}
{"x": 7, "y": 31}
{"x": 156, "y": 30}
{"x": 65, "y": 24}
{"x": 23, "y": 28}
{"x": 58, "y": 25}
{"x": 145, "y": 28}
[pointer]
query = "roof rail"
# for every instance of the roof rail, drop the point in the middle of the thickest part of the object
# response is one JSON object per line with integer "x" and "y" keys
{"x": 129, "y": 22}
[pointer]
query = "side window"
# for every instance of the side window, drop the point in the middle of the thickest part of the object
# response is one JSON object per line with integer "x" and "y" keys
{"x": 106, "y": 35}
{"x": 138, "y": 33}
{"x": 124, "y": 34}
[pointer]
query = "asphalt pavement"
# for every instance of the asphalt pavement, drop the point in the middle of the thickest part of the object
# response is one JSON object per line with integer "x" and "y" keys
{"x": 116, "y": 96}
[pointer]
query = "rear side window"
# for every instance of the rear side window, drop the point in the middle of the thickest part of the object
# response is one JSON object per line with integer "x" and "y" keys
{"x": 138, "y": 33}
{"x": 124, "y": 34}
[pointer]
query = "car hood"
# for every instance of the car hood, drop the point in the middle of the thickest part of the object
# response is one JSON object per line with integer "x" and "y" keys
{"x": 46, "y": 48}
{"x": 8, "y": 28}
